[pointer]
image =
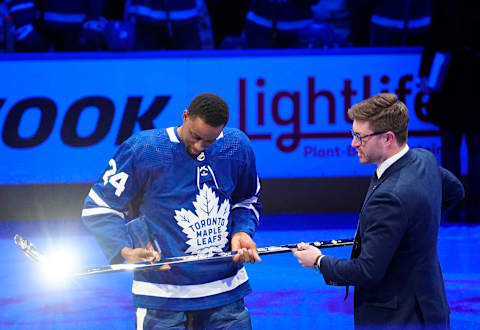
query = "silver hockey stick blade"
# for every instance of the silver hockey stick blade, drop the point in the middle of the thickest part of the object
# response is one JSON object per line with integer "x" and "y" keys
{"x": 222, "y": 256}
{"x": 29, "y": 249}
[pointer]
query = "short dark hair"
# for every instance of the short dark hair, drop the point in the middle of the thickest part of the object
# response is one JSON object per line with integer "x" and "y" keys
{"x": 209, "y": 107}
{"x": 384, "y": 112}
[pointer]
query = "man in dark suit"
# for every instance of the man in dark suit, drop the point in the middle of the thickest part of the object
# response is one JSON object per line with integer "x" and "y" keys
{"x": 394, "y": 265}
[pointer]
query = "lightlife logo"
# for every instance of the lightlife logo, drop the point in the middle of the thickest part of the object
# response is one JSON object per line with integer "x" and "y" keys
{"x": 256, "y": 117}
{"x": 289, "y": 142}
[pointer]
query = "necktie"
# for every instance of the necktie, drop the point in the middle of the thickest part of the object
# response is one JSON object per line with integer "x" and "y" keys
{"x": 373, "y": 180}
{"x": 357, "y": 242}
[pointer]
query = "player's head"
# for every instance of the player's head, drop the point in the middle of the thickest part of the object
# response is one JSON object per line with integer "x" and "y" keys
{"x": 209, "y": 107}
{"x": 203, "y": 122}
{"x": 380, "y": 127}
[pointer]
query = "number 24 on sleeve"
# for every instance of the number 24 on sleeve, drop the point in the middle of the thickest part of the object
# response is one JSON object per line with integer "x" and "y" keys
{"x": 117, "y": 180}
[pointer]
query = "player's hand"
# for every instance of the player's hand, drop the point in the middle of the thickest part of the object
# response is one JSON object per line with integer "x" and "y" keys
{"x": 306, "y": 255}
{"x": 246, "y": 247}
{"x": 142, "y": 254}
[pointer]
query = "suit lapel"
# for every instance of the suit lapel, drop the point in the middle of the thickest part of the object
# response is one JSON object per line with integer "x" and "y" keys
{"x": 399, "y": 164}
{"x": 371, "y": 187}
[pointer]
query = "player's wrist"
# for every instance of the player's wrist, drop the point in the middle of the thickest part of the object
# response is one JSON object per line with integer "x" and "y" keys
{"x": 126, "y": 252}
{"x": 240, "y": 233}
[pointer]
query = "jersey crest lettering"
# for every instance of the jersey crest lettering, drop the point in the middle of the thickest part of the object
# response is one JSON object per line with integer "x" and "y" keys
{"x": 206, "y": 229}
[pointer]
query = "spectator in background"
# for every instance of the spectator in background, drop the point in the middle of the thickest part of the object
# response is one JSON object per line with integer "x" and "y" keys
{"x": 228, "y": 22}
{"x": 360, "y": 14}
{"x": 115, "y": 9}
{"x": 165, "y": 24}
{"x": 453, "y": 106}
{"x": 277, "y": 23}
{"x": 388, "y": 22}
{"x": 399, "y": 22}
{"x": 57, "y": 25}
{"x": 119, "y": 31}
{"x": 332, "y": 16}
{"x": 6, "y": 30}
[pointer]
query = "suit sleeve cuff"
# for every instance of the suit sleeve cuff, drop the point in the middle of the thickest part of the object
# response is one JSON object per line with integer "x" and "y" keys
{"x": 318, "y": 263}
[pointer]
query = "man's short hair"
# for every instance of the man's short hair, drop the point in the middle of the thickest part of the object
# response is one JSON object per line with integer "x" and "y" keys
{"x": 209, "y": 107}
{"x": 384, "y": 112}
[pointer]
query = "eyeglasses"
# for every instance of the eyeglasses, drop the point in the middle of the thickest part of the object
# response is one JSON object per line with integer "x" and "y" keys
{"x": 360, "y": 138}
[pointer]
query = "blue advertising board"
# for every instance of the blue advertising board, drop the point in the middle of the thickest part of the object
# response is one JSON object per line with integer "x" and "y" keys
{"x": 62, "y": 117}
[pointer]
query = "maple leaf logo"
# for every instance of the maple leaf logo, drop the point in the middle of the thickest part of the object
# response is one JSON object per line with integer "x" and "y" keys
{"x": 207, "y": 227}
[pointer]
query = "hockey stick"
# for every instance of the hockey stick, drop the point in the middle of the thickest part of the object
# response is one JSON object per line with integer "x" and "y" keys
{"x": 31, "y": 251}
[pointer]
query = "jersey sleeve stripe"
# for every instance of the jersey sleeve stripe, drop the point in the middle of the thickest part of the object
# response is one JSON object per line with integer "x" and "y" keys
{"x": 101, "y": 210}
{"x": 100, "y": 202}
{"x": 247, "y": 202}
{"x": 248, "y": 206}
{"x": 21, "y": 6}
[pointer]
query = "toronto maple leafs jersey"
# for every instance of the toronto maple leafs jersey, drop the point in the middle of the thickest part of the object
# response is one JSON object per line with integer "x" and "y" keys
{"x": 191, "y": 205}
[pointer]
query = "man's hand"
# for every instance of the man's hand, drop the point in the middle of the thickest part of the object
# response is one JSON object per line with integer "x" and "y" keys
{"x": 141, "y": 254}
{"x": 306, "y": 255}
{"x": 246, "y": 247}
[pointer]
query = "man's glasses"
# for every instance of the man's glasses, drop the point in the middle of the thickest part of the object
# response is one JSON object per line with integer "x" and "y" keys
{"x": 361, "y": 139}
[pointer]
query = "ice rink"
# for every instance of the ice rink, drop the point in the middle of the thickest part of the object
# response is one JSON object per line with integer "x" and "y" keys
{"x": 285, "y": 295}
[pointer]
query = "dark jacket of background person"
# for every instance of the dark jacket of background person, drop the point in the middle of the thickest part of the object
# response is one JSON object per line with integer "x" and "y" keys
{"x": 399, "y": 22}
{"x": 165, "y": 24}
{"x": 228, "y": 22}
{"x": 276, "y": 23}
{"x": 397, "y": 275}
{"x": 63, "y": 25}
{"x": 452, "y": 30}
{"x": 382, "y": 22}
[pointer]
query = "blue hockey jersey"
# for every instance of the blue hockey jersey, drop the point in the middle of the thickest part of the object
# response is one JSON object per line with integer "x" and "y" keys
{"x": 191, "y": 205}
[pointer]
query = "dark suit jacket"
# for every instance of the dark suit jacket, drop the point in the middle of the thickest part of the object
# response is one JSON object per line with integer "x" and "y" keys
{"x": 397, "y": 275}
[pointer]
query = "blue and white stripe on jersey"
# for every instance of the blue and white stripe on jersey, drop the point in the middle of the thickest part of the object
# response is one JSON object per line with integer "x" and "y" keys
{"x": 250, "y": 202}
{"x": 103, "y": 207}
{"x": 190, "y": 291}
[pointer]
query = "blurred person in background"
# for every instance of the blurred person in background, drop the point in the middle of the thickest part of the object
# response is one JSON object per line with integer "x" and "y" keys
{"x": 57, "y": 25}
{"x": 165, "y": 24}
{"x": 228, "y": 22}
{"x": 336, "y": 15}
{"x": 360, "y": 14}
{"x": 399, "y": 22}
{"x": 388, "y": 22}
{"x": 277, "y": 23}
{"x": 452, "y": 106}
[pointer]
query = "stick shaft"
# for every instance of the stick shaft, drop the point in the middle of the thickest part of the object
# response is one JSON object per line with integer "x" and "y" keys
{"x": 207, "y": 258}
{"x": 32, "y": 252}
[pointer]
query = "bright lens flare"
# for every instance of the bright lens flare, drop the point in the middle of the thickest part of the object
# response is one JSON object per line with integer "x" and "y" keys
{"x": 58, "y": 266}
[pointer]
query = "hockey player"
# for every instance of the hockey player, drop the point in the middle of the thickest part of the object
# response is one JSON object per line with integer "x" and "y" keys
{"x": 198, "y": 190}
